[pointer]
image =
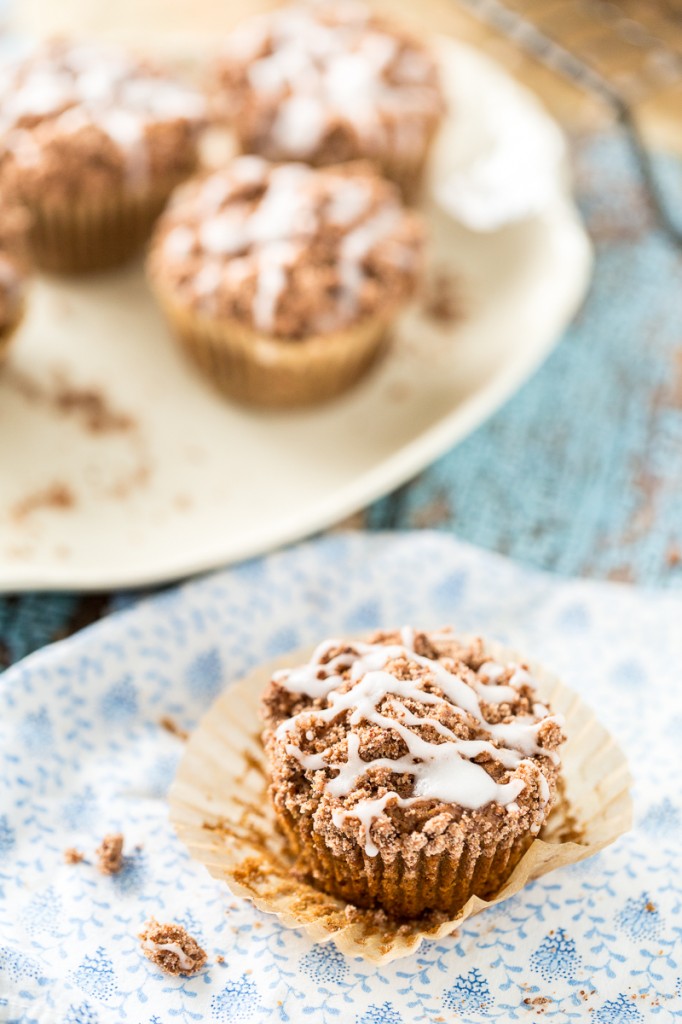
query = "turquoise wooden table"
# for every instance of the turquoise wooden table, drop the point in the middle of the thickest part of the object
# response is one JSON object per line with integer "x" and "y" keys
{"x": 581, "y": 472}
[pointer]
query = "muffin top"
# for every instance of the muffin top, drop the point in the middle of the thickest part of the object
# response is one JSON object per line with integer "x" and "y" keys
{"x": 13, "y": 260}
{"x": 287, "y": 250}
{"x": 327, "y": 83}
{"x": 409, "y": 743}
{"x": 77, "y": 118}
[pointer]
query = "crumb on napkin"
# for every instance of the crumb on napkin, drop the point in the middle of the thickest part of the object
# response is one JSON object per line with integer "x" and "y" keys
{"x": 171, "y": 948}
{"x": 171, "y": 726}
{"x": 110, "y": 854}
{"x": 73, "y": 856}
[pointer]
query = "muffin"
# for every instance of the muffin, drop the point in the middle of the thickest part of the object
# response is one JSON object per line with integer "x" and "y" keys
{"x": 93, "y": 141}
{"x": 282, "y": 280}
{"x": 327, "y": 83}
{"x": 411, "y": 772}
{"x": 13, "y": 270}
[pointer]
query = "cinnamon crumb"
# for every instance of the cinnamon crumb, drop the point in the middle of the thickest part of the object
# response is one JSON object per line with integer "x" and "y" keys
{"x": 220, "y": 959}
{"x": 171, "y": 948}
{"x": 398, "y": 391}
{"x": 171, "y": 726}
{"x": 90, "y": 405}
{"x": 73, "y": 856}
{"x": 650, "y": 907}
{"x": 442, "y": 301}
{"x": 110, "y": 854}
{"x": 56, "y": 496}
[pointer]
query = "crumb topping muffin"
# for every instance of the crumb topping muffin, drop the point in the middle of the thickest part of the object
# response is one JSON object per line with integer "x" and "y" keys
{"x": 326, "y": 83}
{"x": 88, "y": 125}
{"x": 77, "y": 118}
{"x": 411, "y": 772}
{"x": 13, "y": 268}
{"x": 281, "y": 281}
{"x": 287, "y": 250}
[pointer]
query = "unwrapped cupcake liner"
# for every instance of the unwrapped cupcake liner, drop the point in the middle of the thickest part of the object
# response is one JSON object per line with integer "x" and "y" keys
{"x": 220, "y": 809}
{"x": 83, "y": 235}
{"x": 270, "y": 372}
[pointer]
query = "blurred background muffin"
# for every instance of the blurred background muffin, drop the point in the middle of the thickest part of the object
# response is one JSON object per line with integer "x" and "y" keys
{"x": 282, "y": 280}
{"x": 328, "y": 83}
{"x": 92, "y": 142}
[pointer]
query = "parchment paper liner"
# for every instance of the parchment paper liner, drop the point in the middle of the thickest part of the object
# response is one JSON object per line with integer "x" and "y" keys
{"x": 265, "y": 371}
{"x": 87, "y": 235}
{"x": 220, "y": 809}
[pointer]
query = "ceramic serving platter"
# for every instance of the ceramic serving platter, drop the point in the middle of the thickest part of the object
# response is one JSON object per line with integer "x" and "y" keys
{"x": 120, "y": 466}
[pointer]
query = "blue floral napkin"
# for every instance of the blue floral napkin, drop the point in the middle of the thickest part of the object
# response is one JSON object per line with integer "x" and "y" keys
{"x": 82, "y": 753}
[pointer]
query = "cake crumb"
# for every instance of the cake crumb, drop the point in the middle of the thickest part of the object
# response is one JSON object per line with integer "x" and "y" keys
{"x": 220, "y": 959}
{"x": 73, "y": 856}
{"x": 650, "y": 907}
{"x": 171, "y": 726}
{"x": 674, "y": 556}
{"x": 171, "y": 948}
{"x": 442, "y": 301}
{"x": 110, "y": 854}
{"x": 56, "y": 496}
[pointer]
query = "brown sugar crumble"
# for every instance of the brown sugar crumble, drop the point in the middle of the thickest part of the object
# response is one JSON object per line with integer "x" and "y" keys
{"x": 73, "y": 856}
{"x": 110, "y": 854}
{"x": 171, "y": 948}
{"x": 442, "y": 301}
{"x": 88, "y": 404}
{"x": 57, "y": 496}
{"x": 171, "y": 726}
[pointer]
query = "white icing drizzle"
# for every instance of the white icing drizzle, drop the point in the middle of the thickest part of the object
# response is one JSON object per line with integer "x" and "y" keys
{"x": 349, "y": 201}
{"x": 355, "y": 247}
{"x": 91, "y": 84}
{"x": 321, "y": 70}
{"x": 440, "y": 771}
{"x": 271, "y": 282}
{"x": 407, "y": 637}
{"x": 185, "y": 962}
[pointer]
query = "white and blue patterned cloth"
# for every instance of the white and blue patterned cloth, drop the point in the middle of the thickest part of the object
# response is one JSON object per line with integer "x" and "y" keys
{"x": 82, "y": 754}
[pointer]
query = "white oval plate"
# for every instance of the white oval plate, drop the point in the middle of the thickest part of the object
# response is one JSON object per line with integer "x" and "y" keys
{"x": 172, "y": 479}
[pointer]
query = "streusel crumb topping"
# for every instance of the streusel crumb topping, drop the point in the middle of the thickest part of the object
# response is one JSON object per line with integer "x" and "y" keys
{"x": 286, "y": 249}
{"x": 327, "y": 83}
{"x": 77, "y": 118}
{"x": 409, "y": 742}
